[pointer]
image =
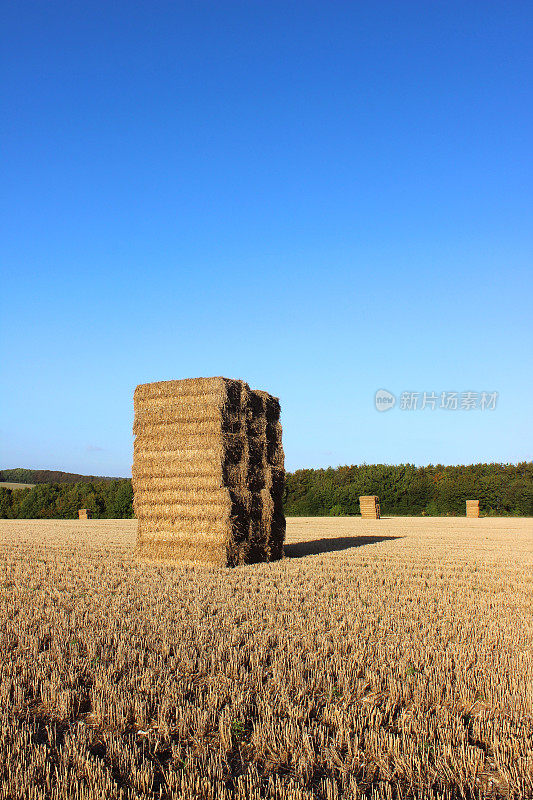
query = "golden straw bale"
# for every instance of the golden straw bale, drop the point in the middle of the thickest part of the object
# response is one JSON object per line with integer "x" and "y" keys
{"x": 369, "y": 506}
{"x": 208, "y": 465}
{"x": 472, "y": 508}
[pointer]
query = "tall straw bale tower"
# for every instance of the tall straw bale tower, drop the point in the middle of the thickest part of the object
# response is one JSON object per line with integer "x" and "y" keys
{"x": 208, "y": 471}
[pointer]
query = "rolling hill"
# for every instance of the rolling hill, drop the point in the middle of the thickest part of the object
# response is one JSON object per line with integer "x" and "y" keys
{"x": 33, "y": 476}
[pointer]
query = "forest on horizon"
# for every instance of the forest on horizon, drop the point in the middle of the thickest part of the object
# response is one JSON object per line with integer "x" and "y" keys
{"x": 403, "y": 490}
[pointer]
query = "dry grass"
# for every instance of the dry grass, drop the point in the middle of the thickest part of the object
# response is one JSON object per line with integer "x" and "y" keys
{"x": 382, "y": 659}
{"x": 10, "y": 485}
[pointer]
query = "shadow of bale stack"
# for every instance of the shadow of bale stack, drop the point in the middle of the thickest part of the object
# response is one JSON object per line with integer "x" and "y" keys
{"x": 369, "y": 505}
{"x": 472, "y": 508}
{"x": 208, "y": 472}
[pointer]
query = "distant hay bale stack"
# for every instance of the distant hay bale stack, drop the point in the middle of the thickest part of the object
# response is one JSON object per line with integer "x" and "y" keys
{"x": 208, "y": 472}
{"x": 472, "y": 508}
{"x": 84, "y": 513}
{"x": 369, "y": 505}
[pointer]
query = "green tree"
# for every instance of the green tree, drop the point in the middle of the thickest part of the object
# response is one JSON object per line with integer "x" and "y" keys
{"x": 6, "y": 504}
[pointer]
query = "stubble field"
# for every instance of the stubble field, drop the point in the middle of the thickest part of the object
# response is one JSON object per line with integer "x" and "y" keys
{"x": 380, "y": 659}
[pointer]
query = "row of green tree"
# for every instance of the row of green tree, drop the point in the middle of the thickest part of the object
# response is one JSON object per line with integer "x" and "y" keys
{"x": 105, "y": 499}
{"x": 502, "y": 489}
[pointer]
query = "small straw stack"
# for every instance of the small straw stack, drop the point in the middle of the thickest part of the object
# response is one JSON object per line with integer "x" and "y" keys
{"x": 208, "y": 472}
{"x": 472, "y": 508}
{"x": 369, "y": 505}
{"x": 84, "y": 513}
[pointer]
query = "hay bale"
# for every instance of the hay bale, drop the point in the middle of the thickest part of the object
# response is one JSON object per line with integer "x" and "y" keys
{"x": 369, "y": 505}
{"x": 208, "y": 471}
{"x": 472, "y": 508}
{"x": 84, "y": 513}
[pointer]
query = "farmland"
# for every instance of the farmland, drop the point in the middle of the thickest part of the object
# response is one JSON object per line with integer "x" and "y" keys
{"x": 380, "y": 659}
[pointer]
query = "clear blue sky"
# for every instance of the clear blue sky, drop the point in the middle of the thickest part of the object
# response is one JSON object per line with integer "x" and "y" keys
{"x": 322, "y": 198}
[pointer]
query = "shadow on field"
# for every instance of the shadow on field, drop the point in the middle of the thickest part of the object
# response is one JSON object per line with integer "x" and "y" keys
{"x": 301, "y": 549}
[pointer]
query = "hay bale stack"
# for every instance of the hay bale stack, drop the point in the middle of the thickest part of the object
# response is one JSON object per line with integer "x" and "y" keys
{"x": 84, "y": 513}
{"x": 472, "y": 508}
{"x": 369, "y": 505}
{"x": 208, "y": 471}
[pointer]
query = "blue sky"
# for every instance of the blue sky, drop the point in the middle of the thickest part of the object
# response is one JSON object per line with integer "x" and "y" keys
{"x": 322, "y": 198}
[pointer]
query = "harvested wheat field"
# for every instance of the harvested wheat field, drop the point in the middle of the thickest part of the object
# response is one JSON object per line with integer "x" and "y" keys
{"x": 380, "y": 659}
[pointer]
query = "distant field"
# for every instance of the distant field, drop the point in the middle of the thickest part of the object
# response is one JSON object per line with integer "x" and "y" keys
{"x": 380, "y": 659}
{"x": 8, "y": 485}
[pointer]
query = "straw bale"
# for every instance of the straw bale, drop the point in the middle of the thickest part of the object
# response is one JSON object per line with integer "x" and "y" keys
{"x": 159, "y": 528}
{"x": 183, "y": 483}
{"x": 162, "y": 464}
{"x": 175, "y": 415}
{"x": 193, "y": 496}
{"x": 208, "y": 471}
{"x": 271, "y": 404}
{"x": 189, "y": 404}
{"x": 210, "y": 426}
{"x": 213, "y": 452}
{"x": 186, "y": 386}
{"x": 172, "y": 511}
{"x": 188, "y": 551}
{"x": 275, "y": 454}
{"x": 229, "y": 449}
{"x": 472, "y": 508}
{"x": 369, "y": 506}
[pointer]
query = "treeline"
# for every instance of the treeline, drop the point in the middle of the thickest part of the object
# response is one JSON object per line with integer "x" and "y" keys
{"x": 106, "y": 499}
{"x": 502, "y": 489}
{"x": 20, "y": 475}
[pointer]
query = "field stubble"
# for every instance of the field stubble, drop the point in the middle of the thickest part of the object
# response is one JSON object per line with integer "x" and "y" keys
{"x": 380, "y": 659}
